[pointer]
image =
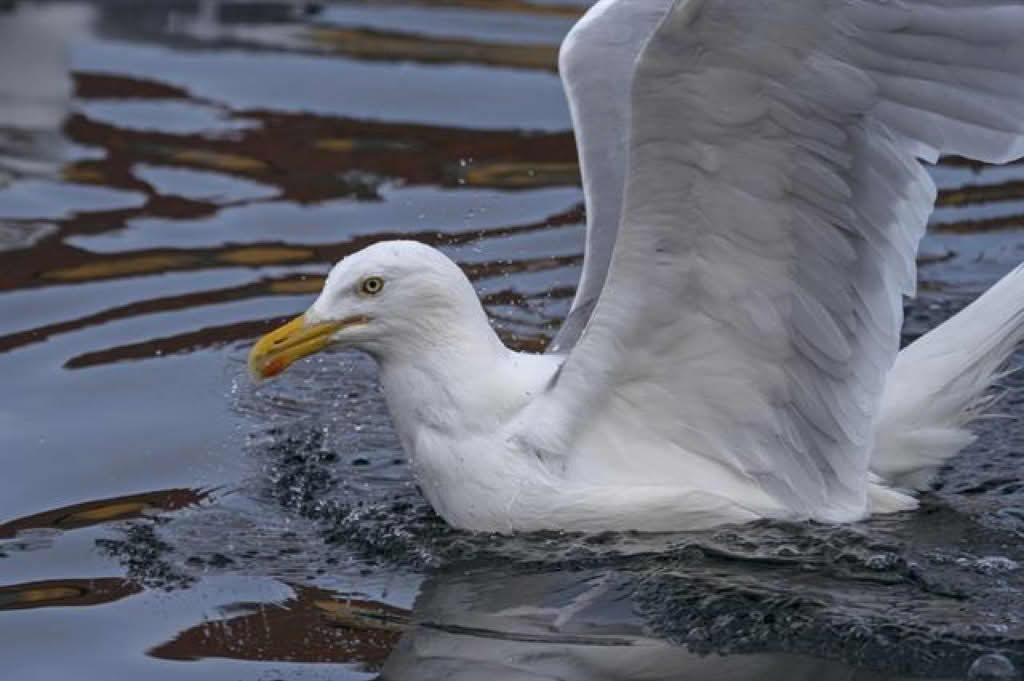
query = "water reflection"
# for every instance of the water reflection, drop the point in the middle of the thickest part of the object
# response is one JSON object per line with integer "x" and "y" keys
{"x": 89, "y": 513}
{"x": 492, "y": 626}
{"x": 313, "y": 626}
{"x": 595, "y": 611}
{"x": 564, "y": 625}
{"x": 466, "y": 628}
{"x": 35, "y": 82}
{"x": 35, "y": 94}
{"x": 66, "y": 593}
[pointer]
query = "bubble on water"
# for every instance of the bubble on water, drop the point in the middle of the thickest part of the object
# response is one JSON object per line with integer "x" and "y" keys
{"x": 992, "y": 667}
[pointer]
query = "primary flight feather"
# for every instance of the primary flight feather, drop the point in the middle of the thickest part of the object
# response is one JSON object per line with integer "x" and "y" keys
{"x": 755, "y": 199}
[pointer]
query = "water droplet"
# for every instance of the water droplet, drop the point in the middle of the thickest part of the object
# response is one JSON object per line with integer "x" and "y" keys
{"x": 992, "y": 667}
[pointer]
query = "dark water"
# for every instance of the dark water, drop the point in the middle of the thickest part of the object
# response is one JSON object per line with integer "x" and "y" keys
{"x": 176, "y": 179}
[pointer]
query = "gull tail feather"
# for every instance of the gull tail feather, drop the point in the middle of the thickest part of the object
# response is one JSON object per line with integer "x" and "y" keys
{"x": 942, "y": 382}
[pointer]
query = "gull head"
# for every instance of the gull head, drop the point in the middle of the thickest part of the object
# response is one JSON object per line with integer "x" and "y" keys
{"x": 394, "y": 299}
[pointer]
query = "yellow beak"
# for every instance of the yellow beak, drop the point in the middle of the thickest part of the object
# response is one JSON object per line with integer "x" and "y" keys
{"x": 277, "y": 350}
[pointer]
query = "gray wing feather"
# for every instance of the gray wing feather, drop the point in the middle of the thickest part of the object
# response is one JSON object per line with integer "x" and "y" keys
{"x": 596, "y": 64}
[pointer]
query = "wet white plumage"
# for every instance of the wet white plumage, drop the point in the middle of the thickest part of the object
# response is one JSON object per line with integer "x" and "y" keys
{"x": 755, "y": 204}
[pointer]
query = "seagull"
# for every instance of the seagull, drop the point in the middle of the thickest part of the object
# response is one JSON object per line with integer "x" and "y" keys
{"x": 755, "y": 197}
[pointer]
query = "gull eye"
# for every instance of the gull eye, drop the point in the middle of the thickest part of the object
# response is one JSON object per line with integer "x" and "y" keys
{"x": 371, "y": 286}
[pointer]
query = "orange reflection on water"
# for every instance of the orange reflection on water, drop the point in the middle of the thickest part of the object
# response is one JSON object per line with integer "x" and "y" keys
{"x": 65, "y": 592}
{"x": 315, "y": 625}
{"x": 100, "y": 511}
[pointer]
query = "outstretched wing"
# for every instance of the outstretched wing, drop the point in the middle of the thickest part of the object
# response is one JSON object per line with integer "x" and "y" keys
{"x": 596, "y": 64}
{"x": 774, "y": 204}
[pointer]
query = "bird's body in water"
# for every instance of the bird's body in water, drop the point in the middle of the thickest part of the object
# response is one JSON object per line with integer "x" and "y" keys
{"x": 755, "y": 203}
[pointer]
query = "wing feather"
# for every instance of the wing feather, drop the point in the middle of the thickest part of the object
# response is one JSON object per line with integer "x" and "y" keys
{"x": 773, "y": 208}
{"x": 596, "y": 63}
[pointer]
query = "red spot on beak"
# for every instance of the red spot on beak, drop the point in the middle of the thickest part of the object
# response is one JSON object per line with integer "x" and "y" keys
{"x": 274, "y": 367}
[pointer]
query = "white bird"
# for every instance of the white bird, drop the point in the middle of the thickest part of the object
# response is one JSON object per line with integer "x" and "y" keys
{"x": 755, "y": 200}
